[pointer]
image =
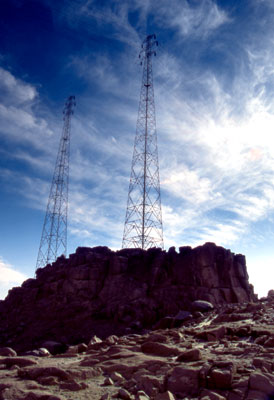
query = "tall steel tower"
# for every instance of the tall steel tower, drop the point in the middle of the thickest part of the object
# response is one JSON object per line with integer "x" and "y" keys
{"x": 54, "y": 235}
{"x": 143, "y": 223}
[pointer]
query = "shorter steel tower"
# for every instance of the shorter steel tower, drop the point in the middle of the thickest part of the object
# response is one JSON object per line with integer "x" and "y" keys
{"x": 54, "y": 235}
{"x": 143, "y": 223}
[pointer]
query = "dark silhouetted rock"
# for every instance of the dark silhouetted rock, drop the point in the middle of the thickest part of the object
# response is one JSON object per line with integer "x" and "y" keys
{"x": 96, "y": 291}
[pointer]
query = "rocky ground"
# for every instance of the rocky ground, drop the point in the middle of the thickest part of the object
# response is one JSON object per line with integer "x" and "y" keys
{"x": 224, "y": 353}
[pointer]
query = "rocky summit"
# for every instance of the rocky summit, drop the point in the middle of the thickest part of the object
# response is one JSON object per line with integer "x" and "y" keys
{"x": 138, "y": 325}
{"x": 220, "y": 353}
{"x": 101, "y": 292}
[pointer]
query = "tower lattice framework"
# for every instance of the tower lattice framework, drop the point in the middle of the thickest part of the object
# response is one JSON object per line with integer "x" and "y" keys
{"x": 143, "y": 223}
{"x": 54, "y": 234}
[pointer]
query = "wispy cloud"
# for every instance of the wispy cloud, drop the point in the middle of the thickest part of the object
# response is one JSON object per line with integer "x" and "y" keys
{"x": 14, "y": 89}
{"x": 196, "y": 20}
{"x": 19, "y": 120}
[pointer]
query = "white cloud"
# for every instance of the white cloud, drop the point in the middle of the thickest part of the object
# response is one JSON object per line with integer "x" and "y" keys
{"x": 261, "y": 273}
{"x": 187, "y": 184}
{"x": 199, "y": 20}
{"x": 113, "y": 14}
{"x": 9, "y": 277}
{"x": 19, "y": 121}
{"x": 16, "y": 89}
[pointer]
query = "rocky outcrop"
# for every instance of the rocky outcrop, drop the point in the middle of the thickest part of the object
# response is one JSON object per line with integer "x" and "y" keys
{"x": 99, "y": 291}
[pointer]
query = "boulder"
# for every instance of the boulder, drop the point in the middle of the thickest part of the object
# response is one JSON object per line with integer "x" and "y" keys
{"x": 7, "y": 352}
{"x": 190, "y": 355}
{"x": 202, "y": 306}
{"x": 159, "y": 349}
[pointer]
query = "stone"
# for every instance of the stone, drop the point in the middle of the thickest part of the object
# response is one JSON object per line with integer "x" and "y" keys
{"x": 269, "y": 342}
{"x": 54, "y": 347}
{"x": 20, "y": 361}
{"x": 149, "y": 384}
{"x": 220, "y": 378}
{"x": 182, "y": 316}
{"x": 202, "y": 306}
{"x": 165, "y": 396}
{"x": 124, "y": 394}
{"x": 7, "y": 352}
{"x": 105, "y": 396}
{"x": 190, "y": 355}
{"x": 73, "y": 386}
{"x": 261, "y": 383}
{"x": 184, "y": 381}
{"x": 141, "y": 395}
{"x": 159, "y": 349}
{"x": 210, "y": 395}
{"x": 108, "y": 382}
{"x": 216, "y": 334}
{"x": 94, "y": 340}
{"x": 41, "y": 352}
{"x": 116, "y": 377}
{"x": 37, "y": 372}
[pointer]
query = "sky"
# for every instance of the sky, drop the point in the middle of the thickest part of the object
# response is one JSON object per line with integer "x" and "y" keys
{"x": 214, "y": 101}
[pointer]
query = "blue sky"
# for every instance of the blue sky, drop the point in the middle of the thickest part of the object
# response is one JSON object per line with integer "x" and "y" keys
{"x": 214, "y": 98}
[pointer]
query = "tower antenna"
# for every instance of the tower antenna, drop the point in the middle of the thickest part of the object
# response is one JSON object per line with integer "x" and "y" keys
{"x": 143, "y": 223}
{"x": 54, "y": 234}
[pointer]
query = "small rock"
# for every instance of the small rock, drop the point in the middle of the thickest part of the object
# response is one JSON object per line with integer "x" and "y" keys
{"x": 112, "y": 339}
{"x": 190, "y": 355}
{"x": 94, "y": 340}
{"x": 55, "y": 347}
{"x": 14, "y": 367}
{"x": 36, "y": 372}
{"x": 209, "y": 395}
{"x": 41, "y": 395}
{"x": 73, "y": 386}
{"x": 48, "y": 380}
{"x": 141, "y": 395}
{"x": 82, "y": 347}
{"x": 198, "y": 314}
{"x": 116, "y": 377}
{"x": 41, "y": 352}
{"x": 269, "y": 342}
{"x": 184, "y": 381}
{"x": 260, "y": 382}
{"x": 124, "y": 394}
{"x": 159, "y": 349}
{"x": 165, "y": 396}
{"x": 182, "y": 316}
{"x": 20, "y": 361}
{"x": 106, "y": 396}
{"x": 220, "y": 378}
{"x": 7, "y": 352}
{"x": 108, "y": 382}
{"x": 202, "y": 305}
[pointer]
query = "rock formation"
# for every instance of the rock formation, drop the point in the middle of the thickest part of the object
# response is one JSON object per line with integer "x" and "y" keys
{"x": 102, "y": 292}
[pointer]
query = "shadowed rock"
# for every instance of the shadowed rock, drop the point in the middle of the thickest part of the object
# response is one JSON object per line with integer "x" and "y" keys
{"x": 102, "y": 292}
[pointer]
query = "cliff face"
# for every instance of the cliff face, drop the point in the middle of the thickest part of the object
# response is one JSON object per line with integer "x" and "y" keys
{"x": 98, "y": 291}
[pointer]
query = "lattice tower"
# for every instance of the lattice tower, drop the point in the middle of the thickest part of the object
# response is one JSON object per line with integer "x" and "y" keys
{"x": 54, "y": 234}
{"x": 143, "y": 223}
